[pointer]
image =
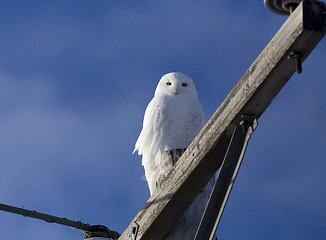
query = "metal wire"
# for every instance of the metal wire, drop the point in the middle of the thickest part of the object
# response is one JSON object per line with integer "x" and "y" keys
{"x": 85, "y": 227}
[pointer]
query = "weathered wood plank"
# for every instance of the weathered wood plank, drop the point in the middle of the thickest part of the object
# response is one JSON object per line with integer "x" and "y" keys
{"x": 252, "y": 95}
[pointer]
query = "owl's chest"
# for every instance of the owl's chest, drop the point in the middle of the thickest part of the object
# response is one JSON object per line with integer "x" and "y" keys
{"x": 183, "y": 121}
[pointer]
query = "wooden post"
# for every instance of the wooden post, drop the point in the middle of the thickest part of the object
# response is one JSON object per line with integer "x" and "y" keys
{"x": 251, "y": 96}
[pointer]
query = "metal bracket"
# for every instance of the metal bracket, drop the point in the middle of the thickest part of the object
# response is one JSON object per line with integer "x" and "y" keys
{"x": 225, "y": 180}
{"x": 134, "y": 231}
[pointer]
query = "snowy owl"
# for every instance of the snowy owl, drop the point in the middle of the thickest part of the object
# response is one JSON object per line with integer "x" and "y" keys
{"x": 172, "y": 120}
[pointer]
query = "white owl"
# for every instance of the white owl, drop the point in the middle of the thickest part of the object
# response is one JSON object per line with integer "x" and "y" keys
{"x": 172, "y": 120}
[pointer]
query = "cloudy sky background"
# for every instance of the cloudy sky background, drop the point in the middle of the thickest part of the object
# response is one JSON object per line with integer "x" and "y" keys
{"x": 76, "y": 77}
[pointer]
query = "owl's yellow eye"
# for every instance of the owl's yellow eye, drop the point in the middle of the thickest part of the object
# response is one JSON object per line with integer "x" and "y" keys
{"x": 168, "y": 83}
{"x": 184, "y": 84}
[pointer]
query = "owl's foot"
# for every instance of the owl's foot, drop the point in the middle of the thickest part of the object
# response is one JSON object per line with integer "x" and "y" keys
{"x": 160, "y": 180}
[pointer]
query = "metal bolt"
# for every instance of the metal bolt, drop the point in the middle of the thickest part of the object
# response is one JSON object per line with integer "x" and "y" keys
{"x": 297, "y": 61}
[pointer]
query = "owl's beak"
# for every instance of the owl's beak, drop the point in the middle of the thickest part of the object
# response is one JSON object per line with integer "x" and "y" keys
{"x": 174, "y": 90}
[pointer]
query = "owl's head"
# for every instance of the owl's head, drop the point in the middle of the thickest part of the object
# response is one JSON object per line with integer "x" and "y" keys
{"x": 176, "y": 84}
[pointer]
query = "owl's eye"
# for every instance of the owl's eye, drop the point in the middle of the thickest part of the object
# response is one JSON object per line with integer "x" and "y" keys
{"x": 184, "y": 84}
{"x": 168, "y": 83}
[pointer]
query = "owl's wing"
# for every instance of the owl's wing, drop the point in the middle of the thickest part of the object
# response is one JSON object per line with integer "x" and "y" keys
{"x": 156, "y": 129}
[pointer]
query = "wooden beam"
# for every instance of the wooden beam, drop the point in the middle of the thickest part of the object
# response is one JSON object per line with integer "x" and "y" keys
{"x": 252, "y": 95}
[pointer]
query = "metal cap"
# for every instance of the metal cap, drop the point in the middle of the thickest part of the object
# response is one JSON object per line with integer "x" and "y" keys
{"x": 281, "y": 7}
{"x": 100, "y": 232}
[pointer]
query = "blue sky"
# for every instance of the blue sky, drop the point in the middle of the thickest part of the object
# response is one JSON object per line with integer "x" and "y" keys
{"x": 76, "y": 77}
